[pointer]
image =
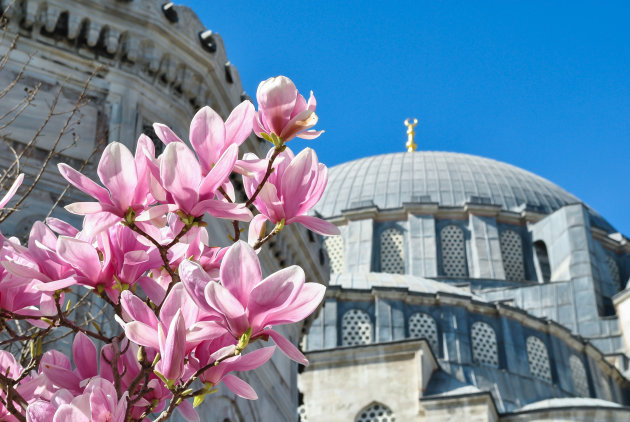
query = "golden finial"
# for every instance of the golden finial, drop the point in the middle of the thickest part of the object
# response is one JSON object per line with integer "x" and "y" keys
{"x": 411, "y": 123}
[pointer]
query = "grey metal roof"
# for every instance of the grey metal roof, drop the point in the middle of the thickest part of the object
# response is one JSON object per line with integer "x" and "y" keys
{"x": 448, "y": 178}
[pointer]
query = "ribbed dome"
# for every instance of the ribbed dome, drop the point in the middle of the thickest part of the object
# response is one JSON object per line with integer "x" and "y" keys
{"x": 448, "y": 178}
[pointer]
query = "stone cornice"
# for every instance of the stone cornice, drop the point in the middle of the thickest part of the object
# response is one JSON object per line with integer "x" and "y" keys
{"x": 137, "y": 37}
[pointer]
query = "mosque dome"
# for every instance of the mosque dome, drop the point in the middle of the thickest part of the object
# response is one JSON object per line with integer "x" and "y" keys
{"x": 447, "y": 178}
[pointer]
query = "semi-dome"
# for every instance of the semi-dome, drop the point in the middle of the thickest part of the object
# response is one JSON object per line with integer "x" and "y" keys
{"x": 448, "y": 178}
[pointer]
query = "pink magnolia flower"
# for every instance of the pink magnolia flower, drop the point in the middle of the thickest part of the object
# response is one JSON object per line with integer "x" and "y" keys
{"x": 58, "y": 370}
{"x": 284, "y": 112}
{"x": 193, "y": 193}
{"x": 99, "y": 402}
{"x": 245, "y": 301}
{"x": 11, "y": 368}
{"x": 126, "y": 181}
{"x": 174, "y": 335}
{"x": 293, "y": 188}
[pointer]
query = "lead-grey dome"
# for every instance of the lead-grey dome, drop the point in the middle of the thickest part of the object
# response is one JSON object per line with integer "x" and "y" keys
{"x": 448, "y": 178}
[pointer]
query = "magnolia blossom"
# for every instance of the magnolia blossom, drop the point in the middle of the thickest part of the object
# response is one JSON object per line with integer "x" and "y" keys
{"x": 283, "y": 112}
{"x": 293, "y": 188}
{"x": 247, "y": 302}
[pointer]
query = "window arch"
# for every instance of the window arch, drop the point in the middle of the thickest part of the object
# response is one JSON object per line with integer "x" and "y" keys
{"x": 578, "y": 374}
{"x": 484, "y": 344}
{"x": 538, "y": 358}
{"x": 356, "y": 328}
{"x": 453, "y": 252}
{"x": 392, "y": 252}
{"x": 512, "y": 254}
{"x": 422, "y": 325}
{"x": 542, "y": 257}
{"x": 376, "y": 413}
{"x": 334, "y": 248}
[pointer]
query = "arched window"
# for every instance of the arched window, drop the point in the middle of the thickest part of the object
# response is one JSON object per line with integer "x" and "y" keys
{"x": 578, "y": 374}
{"x": 542, "y": 257}
{"x": 614, "y": 271}
{"x": 334, "y": 248}
{"x": 422, "y": 325}
{"x": 538, "y": 358}
{"x": 512, "y": 253}
{"x": 356, "y": 328}
{"x": 376, "y": 413}
{"x": 484, "y": 344}
{"x": 392, "y": 252}
{"x": 453, "y": 252}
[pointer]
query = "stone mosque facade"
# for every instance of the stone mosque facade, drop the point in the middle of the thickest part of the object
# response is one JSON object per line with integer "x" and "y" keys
{"x": 461, "y": 287}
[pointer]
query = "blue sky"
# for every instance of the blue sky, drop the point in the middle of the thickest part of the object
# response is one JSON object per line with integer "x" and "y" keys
{"x": 541, "y": 85}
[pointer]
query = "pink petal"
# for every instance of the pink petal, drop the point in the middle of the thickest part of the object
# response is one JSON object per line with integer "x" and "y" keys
{"x": 222, "y": 300}
{"x": 302, "y": 121}
{"x": 195, "y": 280}
{"x": 297, "y": 180}
{"x": 142, "y": 334}
{"x": 85, "y": 357}
{"x": 137, "y": 309}
{"x": 181, "y": 175}
{"x": 83, "y": 208}
{"x": 251, "y": 360}
{"x": 152, "y": 289}
{"x": 310, "y": 134}
{"x": 204, "y": 330}
{"x": 287, "y": 347}
{"x": 239, "y": 387}
{"x": 187, "y": 411}
{"x": 221, "y": 209}
{"x": 23, "y": 271}
{"x": 273, "y": 292}
{"x": 69, "y": 412}
{"x": 165, "y": 134}
{"x": 84, "y": 183}
{"x": 40, "y": 411}
{"x": 316, "y": 224}
{"x": 53, "y": 286}
{"x": 61, "y": 377}
{"x": 117, "y": 171}
{"x": 178, "y": 301}
{"x": 239, "y": 125}
{"x": 61, "y": 227}
{"x": 207, "y": 137}
{"x": 172, "y": 363}
{"x": 219, "y": 173}
{"x": 308, "y": 299}
{"x": 80, "y": 255}
{"x": 240, "y": 271}
{"x": 14, "y": 187}
{"x": 273, "y": 206}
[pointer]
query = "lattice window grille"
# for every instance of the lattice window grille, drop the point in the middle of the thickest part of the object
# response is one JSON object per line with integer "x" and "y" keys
{"x": 484, "y": 344}
{"x": 512, "y": 253}
{"x": 453, "y": 252}
{"x": 614, "y": 271}
{"x": 578, "y": 374}
{"x": 376, "y": 413}
{"x": 538, "y": 359}
{"x": 334, "y": 247}
{"x": 356, "y": 328}
{"x": 392, "y": 252}
{"x": 302, "y": 413}
{"x": 422, "y": 325}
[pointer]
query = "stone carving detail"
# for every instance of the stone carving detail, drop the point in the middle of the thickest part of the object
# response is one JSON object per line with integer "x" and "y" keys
{"x": 356, "y": 328}
{"x": 484, "y": 344}
{"x": 538, "y": 358}
{"x": 512, "y": 253}
{"x": 376, "y": 413}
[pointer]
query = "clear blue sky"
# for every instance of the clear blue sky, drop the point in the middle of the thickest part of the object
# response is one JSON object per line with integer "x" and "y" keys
{"x": 541, "y": 85}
